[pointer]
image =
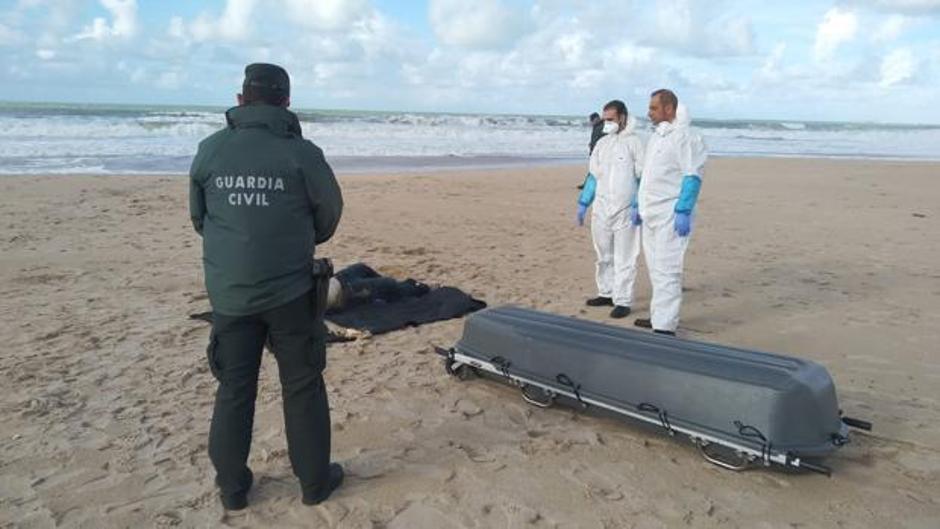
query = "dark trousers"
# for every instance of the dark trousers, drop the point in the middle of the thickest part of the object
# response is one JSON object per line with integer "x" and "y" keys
{"x": 361, "y": 285}
{"x": 235, "y": 348}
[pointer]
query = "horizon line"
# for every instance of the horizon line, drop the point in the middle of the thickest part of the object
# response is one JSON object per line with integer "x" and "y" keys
{"x": 454, "y": 113}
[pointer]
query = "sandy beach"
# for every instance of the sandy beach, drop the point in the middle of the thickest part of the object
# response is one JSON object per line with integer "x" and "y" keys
{"x": 107, "y": 396}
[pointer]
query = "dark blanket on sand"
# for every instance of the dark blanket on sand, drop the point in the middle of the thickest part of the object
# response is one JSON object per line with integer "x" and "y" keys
{"x": 382, "y": 316}
{"x": 439, "y": 304}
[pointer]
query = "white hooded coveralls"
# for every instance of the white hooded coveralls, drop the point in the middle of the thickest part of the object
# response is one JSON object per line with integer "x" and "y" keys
{"x": 673, "y": 151}
{"x": 615, "y": 164}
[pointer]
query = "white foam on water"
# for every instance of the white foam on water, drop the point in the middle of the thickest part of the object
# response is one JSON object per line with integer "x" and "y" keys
{"x": 82, "y": 139}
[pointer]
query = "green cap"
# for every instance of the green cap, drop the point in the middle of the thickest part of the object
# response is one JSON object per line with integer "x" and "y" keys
{"x": 268, "y": 79}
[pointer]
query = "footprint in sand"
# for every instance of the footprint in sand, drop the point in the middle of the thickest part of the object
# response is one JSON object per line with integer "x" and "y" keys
{"x": 205, "y": 500}
{"x": 467, "y": 408}
{"x": 523, "y": 515}
{"x": 595, "y": 485}
{"x": 168, "y": 519}
{"x": 476, "y": 455}
{"x": 374, "y": 464}
{"x": 418, "y": 515}
{"x": 333, "y": 513}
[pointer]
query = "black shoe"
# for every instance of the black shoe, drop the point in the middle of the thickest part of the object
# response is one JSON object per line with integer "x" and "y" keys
{"x": 667, "y": 333}
{"x": 336, "y": 479}
{"x": 410, "y": 288}
{"x": 421, "y": 289}
{"x": 620, "y": 312}
{"x": 237, "y": 501}
{"x": 580, "y": 186}
{"x": 644, "y": 323}
{"x": 600, "y": 301}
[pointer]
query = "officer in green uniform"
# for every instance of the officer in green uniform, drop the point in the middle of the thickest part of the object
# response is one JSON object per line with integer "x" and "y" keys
{"x": 262, "y": 197}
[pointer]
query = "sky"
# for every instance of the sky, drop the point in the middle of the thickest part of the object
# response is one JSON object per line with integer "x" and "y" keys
{"x": 835, "y": 60}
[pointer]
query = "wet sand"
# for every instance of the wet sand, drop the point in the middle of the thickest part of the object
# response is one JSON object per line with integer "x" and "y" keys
{"x": 105, "y": 411}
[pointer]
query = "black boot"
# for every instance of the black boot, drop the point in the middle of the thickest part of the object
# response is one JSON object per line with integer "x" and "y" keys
{"x": 319, "y": 496}
{"x": 600, "y": 301}
{"x": 620, "y": 311}
{"x": 238, "y": 500}
{"x": 667, "y": 333}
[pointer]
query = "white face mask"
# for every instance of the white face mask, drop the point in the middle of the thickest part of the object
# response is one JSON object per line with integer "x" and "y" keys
{"x": 611, "y": 127}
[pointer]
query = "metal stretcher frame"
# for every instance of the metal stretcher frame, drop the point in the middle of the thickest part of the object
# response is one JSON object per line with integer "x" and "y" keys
{"x": 463, "y": 367}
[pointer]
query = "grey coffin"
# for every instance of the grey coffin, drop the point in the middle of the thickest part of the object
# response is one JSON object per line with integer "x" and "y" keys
{"x": 765, "y": 401}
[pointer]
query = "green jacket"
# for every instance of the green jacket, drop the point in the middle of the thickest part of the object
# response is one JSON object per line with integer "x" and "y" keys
{"x": 262, "y": 197}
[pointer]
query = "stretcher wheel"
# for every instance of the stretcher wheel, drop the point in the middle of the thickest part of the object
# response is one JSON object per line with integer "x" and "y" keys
{"x": 722, "y": 457}
{"x": 545, "y": 400}
{"x": 458, "y": 370}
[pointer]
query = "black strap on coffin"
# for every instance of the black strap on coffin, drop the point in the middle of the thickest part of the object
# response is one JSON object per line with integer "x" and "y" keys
{"x": 565, "y": 380}
{"x": 662, "y": 414}
{"x": 502, "y": 364}
{"x": 746, "y": 430}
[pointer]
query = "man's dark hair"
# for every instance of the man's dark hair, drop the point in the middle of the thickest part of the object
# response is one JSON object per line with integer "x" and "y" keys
{"x": 667, "y": 97}
{"x": 594, "y": 116}
{"x": 251, "y": 95}
{"x": 617, "y": 105}
{"x": 265, "y": 83}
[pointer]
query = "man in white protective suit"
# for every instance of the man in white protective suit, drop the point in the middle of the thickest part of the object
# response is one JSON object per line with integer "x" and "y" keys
{"x": 614, "y": 168}
{"x": 669, "y": 188}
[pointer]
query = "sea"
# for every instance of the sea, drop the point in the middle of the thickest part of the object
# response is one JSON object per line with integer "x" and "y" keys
{"x": 55, "y": 138}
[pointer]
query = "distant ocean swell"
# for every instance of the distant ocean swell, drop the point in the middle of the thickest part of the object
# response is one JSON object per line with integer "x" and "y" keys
{"x": 74, "y": 139}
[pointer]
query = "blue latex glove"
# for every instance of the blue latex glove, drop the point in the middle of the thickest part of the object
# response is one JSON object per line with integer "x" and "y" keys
{"x": 588, "y": 191}
{"x": 634, "y": 205}
{"x": 683, "y": 224}
{"x": 582, "y": 210}
{"x": 635, "y": 216}
{"x": 691, "y": 186}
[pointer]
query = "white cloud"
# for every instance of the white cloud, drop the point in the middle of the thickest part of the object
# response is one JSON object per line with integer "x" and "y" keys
{"x": 124, "y": 13}
{"x": 171, "y": 79}
{"x": 706, "y": 81}
{"x": 536, "y": 55}
{"x": 327, "y": 15}
{"x": 326, "y": 48}
{"x": 587, "y": 78}
{"x": 898, "y": 67}
{"x": 8, "y": 36}
{"x": 98, "y": 30}
{"x": 234, "y": 24}
{"x": 891, "y": 28}
{"x": 124, "y": 22}
{"x": 138, "y": 75}
{"x": 380, "y": 38}
{"x": 239, "y": 19}
{"x": 46, "y": 22}
{"x": 771, "y": 68}
{"x": 910, "y": 7}
{"x": 702, "y": 29}
{"x": 674, "y": 18}
{"x": 739, "y": 35}
{"x": 135, "y": 74}
{"x": 573, "y": 47}
{"x": 177, "y": 28}
{"x": 364, "y": 50}
{"x": 483, "y": 24}
{"x": 56, "y": 13}
{"x": 628, "y": 57}
{"x": 838, "y": 27}
{"x": 584, "y": 57}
